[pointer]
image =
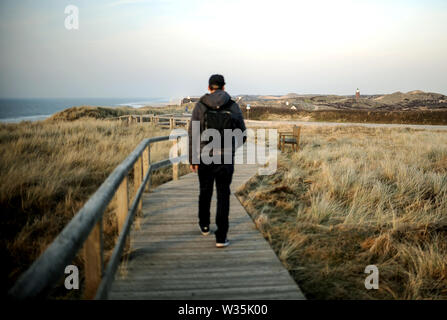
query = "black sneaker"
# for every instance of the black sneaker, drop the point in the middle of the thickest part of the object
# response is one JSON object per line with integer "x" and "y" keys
{"x": 205, "y": 230}
{"x": 224, "y": 244}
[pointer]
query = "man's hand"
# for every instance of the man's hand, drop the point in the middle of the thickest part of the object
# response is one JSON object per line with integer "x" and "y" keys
{"x": 194, "y": 167}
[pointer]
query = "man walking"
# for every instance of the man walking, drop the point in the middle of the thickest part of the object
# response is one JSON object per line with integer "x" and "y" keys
{"x": 215, "y": 111}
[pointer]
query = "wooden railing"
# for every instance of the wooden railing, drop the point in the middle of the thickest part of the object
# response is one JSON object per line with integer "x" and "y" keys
{"x": 85, "y": 229}
{"x": 169, "y": 121}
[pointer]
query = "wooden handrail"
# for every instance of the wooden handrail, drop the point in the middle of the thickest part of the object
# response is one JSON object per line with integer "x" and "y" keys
{"x": 170, "y": 121}
{"x": 85, "y": 230}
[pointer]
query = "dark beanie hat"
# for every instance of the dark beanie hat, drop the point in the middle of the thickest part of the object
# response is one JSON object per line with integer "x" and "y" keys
{"x": 216, "y": 81}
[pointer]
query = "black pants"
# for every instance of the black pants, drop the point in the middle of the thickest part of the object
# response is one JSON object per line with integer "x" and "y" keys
{"x": 222, "y": 174}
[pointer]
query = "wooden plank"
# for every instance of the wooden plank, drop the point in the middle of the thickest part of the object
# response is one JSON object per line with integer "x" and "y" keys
{"x": 202, "y": 273}
{"x": 266, "y": 292}
{"x": 200, "y": 283}
{"x": 188, "y": 228}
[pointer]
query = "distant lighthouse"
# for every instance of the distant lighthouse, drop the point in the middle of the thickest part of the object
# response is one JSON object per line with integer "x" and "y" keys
{"x": 357, "y": 94}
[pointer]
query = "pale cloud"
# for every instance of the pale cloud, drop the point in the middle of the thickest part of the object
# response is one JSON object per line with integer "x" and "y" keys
{"x": 125, "y": 2}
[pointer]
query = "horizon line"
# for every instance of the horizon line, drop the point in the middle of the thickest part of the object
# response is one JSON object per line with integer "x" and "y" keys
{"x": 244, "y": 94}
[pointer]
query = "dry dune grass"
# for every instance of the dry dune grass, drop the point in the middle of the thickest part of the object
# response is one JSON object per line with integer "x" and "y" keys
{"x": 94, "y": 112}
{"x": 47, "y": 172}
{"x": 354, "y": 197}
{"x": 414, "y": 116}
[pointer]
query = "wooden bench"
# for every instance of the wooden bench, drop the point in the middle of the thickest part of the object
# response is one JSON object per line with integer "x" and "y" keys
{"x": 289, "y": 137}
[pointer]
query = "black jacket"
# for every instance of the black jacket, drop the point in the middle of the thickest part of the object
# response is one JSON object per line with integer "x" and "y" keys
{"x": 214, "y": 100}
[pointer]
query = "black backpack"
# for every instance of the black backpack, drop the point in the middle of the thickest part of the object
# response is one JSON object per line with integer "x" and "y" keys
{"x": 219, "y": 118}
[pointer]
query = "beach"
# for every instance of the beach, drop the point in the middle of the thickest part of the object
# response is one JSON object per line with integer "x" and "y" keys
{"x": 34, "y": 109}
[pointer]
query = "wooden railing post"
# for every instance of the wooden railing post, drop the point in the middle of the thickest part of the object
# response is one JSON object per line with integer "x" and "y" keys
{"x": 122, "y": 207}
{"x": 175, "y": 165}
{"x": 138, "y": 179}
{"x": 297, "y": 131}
{"x": 122, "y": 203}
{"x": 93, "y": 261}
{"x": 146, "y": 163}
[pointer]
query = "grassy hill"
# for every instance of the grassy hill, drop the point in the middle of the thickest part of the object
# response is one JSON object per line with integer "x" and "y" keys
{"x": 429, "y": 117}
{"x": 398, "y": 101}
{"x": 84, "y": 112}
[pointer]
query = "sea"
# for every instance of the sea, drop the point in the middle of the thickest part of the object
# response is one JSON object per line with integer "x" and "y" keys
{"x": 32, "y": 109}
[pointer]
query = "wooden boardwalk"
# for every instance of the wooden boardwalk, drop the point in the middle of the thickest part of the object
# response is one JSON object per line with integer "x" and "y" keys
{"x": 170, "y": 259}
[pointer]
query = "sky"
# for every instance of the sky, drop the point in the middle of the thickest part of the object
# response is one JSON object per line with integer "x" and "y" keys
{"x": 169, "y": 48}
